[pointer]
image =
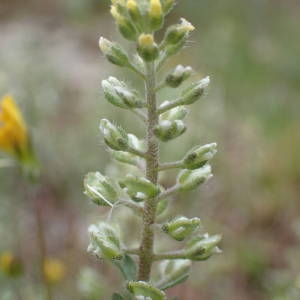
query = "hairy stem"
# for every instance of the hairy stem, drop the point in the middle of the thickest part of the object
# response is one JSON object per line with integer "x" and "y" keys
{"x": 146, "y": 247}
{"x": 180, "y": 254}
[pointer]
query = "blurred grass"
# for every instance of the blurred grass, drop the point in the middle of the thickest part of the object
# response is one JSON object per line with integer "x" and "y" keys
{"x": 50, "y": 61}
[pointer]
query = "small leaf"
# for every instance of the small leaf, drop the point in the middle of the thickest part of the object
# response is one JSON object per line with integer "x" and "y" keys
{"x": 127, "y": 267}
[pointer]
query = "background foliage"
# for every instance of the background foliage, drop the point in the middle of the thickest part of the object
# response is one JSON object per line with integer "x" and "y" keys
{"x": 50, "y": 61}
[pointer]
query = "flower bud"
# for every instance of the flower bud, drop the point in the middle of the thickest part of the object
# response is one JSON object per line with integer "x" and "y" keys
{"x": 125, "y": 157}
{"x": 156, "y": 17}
{"x": 105, "y": 241}
{"x": 173, "y": 272}
{"x": 194, "y": 91}
{"x": 147, "y": 48}
{"x": 144, "y": 289}
{"x": 191, "y": 179}
{"x": 139, "y": 188}
{"x": 100, "y": 189}
{"x": 176, "y": 113}
{"x": 114, "y": 136}
{"x": 176, "y": 34}
{"x": 169, "y": 130}
{"x": 136, "y": 143}
{"x": 181, "y": 227}
{"x": 167, "y": 5}
{"x": 199, "y": 156}
{"x": 126, "y": 28}
{"x": 118, "y": 93}
{"x": 178, "y": 75}
{"x": 201, "y": 248}
{"x": 134, "y": 11}
{"x": 113, "y": 52}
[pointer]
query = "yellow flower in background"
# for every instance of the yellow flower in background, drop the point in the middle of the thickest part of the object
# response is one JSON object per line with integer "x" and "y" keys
{"x": 54, "y": 270}
{"x": 13, "y": 131}
{"x": 14, "y": 138}
{"x": 10, "y": 265}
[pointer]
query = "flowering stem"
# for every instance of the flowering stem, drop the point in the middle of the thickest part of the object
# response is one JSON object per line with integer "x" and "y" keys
{"x": 167, "y": 193}
{"x": 180, "y": 254}
{"x": 170, "y": 165}
{"x": 170, "y": 105}
{"x": 146, "y": 247}
{"x": 42, "y": 247}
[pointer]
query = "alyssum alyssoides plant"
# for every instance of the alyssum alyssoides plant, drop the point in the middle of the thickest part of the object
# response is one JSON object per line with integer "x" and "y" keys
{"x": 141, "y": 192}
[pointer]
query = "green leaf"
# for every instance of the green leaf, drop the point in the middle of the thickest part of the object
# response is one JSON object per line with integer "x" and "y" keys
{"x": 128, "y": 267}
{"x": 117, "y": 296}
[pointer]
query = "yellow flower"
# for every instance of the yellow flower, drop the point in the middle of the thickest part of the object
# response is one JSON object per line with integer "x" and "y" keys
{"x": 13, "y": 131}
{"x": 10, "y": 264}
{"x": 54, "y": 270}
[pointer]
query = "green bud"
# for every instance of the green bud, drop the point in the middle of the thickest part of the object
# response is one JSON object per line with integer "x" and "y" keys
{"x": 194, "y": 91}
{"x": 177, "y": 34}
{"x": 199, "y": 156}
{"x": 118, "y": 93}
{"x": 100, "y": 189}
{"x": 181, "y": 227}
{"x": 139, "y": 188}
{"x": 113, "y": 52}
{"x": 167, "y": 5}
{"x": 176, "y": 113}
{"x": 156, "y": 17}
{"x": 173, "y": 272}
{"x": 147, "y": 48}
{"x": 114, "y": 136}
{"x": 126, "y": 27}
{"x": 191, "y": 179}
{"x": 105, "y": 241}
{"x": 144, "y": 289}
{"x": 169, "y": 130}
{"x": 136, "y": 143}
{"x": 125, "y": 157}
{"x": 134, "y": 11}
{"x": 178, "y": 75}
{"x": 201, "y": 248}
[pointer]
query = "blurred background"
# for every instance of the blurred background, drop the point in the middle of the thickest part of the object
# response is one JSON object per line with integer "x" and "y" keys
{"x": 50, "y": 62}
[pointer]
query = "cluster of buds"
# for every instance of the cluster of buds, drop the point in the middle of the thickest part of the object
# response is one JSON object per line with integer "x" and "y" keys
{"x": 138, "y": 22}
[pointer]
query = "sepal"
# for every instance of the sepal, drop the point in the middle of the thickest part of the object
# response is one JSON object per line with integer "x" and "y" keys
{"x": 100, "y": 189}
{"x": 119, "y": 94}
{"x": 147, "y": 48}
{"x": 176, "y": 113}
{"x": 191, "y": 179}
{"x": 156, "y": 17}
{"x": 173, "y": 272}
{"x": 139, "y": 188}
{"x": 113, "y": 52}
{"x": 145, "y": 290}
{"x": 126, "y": 27}
{"x": 175, "y": 34}
{"x": 194, "y": 91}
{"x": 181, "y": 227}
{"x": 199, "y": 156}
{"x": 202, "y": 247}
{"x": 169, "y": 130}
{"x": 114, "y": 136}
{"x": 178, "y": 76}
{"x": 105, "y": 241}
